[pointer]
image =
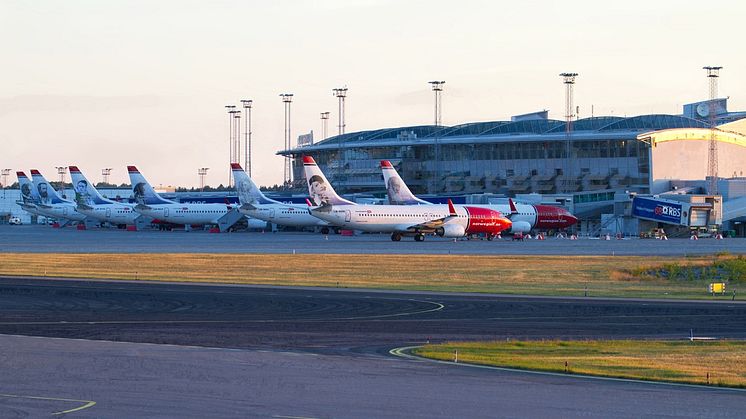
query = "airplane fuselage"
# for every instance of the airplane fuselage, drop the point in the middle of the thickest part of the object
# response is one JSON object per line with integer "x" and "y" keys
{"x": 114, "y": 213}
{"x": 286, "y": 215}
{"x": 61, "y": 210}
{"x": 398, "y": 218}
{"x": 187, "y": 214}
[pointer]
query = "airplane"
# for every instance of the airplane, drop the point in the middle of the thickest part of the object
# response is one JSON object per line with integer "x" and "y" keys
{"x": 450, "y": 220}
{"x": 151, "y": 204}
{"x": 50, "y": 203}
{"x": 525, "y": 217}
{"x": 91, "y": 203}
{"x": 256, "y": 205}
{"x": 29, "y": 195}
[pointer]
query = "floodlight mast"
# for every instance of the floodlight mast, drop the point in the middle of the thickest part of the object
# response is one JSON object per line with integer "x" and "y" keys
{"x": 438, "y": 90}
{"x": 341, "y": 94}
{"x": 324, "y": 124}
{"x": 713, "y": 73}
{"x": 569, "y": 80}
{"x": 202, "y": 172}
{"x": 287, "y": 99}
{"x": 247, "y": 104}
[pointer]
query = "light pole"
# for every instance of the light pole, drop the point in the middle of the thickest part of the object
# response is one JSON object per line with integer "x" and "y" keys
{"x": 247, "y": 104}
{"x": 324, "y": 124}
{"x": 287, "y": 98}
{"x": 230, "y": 108}
{"x": 5, "y": 173}
{"x": 61, "y": 170}
{"x": 569, "y": 80}
{"x": 237, "y": 148}
{"x": 341, "y": 94}
{"x": 438, "y": 89}
{"x": 105, "y": 173}
{"x": 202, "y": 172}
{"x": 713, "y": 73}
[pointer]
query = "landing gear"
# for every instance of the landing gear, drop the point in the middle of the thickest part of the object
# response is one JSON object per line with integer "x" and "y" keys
{"x": 395, "y": 237}
{"x": 419, "y": 237}
{"x": 324, "y": 230}
{"x": 490, "y": 237}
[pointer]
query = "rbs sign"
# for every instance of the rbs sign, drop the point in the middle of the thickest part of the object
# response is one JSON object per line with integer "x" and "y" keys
{"x": 653, "y": 209}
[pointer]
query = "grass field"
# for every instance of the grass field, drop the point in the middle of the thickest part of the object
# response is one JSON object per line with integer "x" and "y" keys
{"x": 673, "y": 361}
{"x": 600, "y": 276}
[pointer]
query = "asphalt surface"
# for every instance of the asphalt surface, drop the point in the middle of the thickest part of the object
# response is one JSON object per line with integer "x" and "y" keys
{"x": 244, "y": 351}
{"x": 45, "y": 239}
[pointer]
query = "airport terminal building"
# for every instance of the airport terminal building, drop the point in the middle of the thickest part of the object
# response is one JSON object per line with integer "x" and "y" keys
{"x": 586, "y": 164}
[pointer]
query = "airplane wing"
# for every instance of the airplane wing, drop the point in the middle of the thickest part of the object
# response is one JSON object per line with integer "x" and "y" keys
{"x": 248, "y": 207}
{"x": 433, "y": 224}
{"x": 141, "y": 207}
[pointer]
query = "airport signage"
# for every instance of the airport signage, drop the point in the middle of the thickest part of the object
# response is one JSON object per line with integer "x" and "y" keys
{"x": 656, "y": 210}
{"x": 305, "y": 140}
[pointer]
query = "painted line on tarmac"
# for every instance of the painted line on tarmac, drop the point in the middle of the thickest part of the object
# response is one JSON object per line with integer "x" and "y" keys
{"x": 88, "y": 403}
{"x": 403, "y": 352}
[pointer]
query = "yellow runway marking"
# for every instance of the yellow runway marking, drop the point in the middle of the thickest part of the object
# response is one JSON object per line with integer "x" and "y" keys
{"x": 88, "y": 403}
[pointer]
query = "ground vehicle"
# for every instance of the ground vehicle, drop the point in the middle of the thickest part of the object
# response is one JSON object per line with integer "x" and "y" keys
{"x": 15, "y": 221}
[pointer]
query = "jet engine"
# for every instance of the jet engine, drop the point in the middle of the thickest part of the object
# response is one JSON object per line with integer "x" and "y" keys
{"x": 520, "y": 227}
{"x": 451, "y": 231}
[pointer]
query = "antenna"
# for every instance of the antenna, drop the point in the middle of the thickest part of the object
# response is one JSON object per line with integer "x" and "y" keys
{"x": 713, "y": 73}
{"x": 569, "y": 80}
{"x": 438, "y": 89}
{"x": 341, "y": 94}
{"x": 287, "y": 98}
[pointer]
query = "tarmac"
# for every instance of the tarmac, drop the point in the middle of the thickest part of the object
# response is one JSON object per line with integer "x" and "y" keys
{"x": 126, "y": 349}
{"x": 45, "y": 239}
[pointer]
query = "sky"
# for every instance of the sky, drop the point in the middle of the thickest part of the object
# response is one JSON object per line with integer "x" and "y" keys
{"x": 101, "y": 84}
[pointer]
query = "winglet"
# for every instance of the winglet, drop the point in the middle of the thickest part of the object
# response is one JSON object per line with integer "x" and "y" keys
{"x": 308, "y": 201}
{"x": 451, "y": 208}
{"x": 513, "y": 209}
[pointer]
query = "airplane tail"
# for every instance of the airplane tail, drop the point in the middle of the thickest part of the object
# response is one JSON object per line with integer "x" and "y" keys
{"x": 248, "y": 192}
{"x": 29, "y": 194}
{"x": 85, "y": 193}
{"x": 398, "y": 191}
{"x": 319, "y": 188}
{"x": 143, "y": 193}
{"x": 47, "y": 194}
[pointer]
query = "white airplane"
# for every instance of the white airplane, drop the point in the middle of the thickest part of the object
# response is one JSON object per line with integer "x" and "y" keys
{"x": 255, "y": 205}
{"x": 29, "y": 195}
{"x": 91, "y": 203}
{"x": 444, "y": 220}
{"x": 524, "y": 217}
{"x": 51, "y": 204}
{"x": 150, "y": 204}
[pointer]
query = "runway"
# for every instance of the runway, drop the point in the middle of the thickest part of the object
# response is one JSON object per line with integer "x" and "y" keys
{"x": 44, "y": 239}
{"x": 219, "y": 350}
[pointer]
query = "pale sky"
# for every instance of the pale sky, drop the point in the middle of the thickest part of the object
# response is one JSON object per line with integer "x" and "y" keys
{"x": 111, "y": 83}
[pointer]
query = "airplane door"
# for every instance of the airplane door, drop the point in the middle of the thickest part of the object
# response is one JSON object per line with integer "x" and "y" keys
{"x": 165, "y": 212}
{"x": 64, "y": 210}
{"x": 348, "y": 215}
{"x": 108, "y": 212}
{"x": 272, "y": 213}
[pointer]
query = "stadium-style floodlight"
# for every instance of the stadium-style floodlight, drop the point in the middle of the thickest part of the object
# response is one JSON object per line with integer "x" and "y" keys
{"x": 247, "y": 104}
{"x": 105, "y": 173}
{"x": 287, "y": 98}
{"x": 5, "y": 174}
{"x": 713, "y": 73}
{"x": 324, "y": 124}
{"x": 341, "y": 94}
{"x": 438, "y": 89}
{"x": 202, "y": 172}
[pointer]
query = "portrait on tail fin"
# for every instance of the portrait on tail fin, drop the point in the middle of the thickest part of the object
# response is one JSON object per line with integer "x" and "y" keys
{"x": 319, "y": 190}
{"x": 82, "y": 195}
